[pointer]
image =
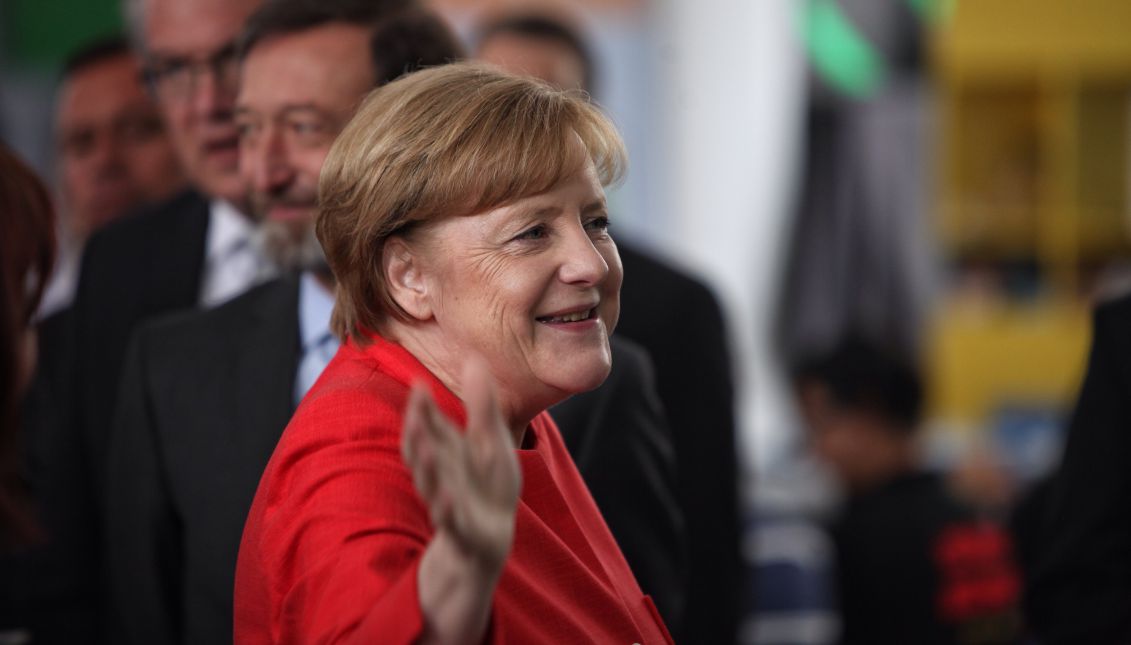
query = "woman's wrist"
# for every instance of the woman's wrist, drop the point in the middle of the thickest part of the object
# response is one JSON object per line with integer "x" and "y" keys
{"x": 456, "y": 591}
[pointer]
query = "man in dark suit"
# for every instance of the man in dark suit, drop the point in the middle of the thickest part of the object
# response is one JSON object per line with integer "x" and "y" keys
{"x": 679, "y": 322}
{"x": 192, "y": 250}
{"x": 143, "y": 264}
{"x": 1081, "y": 587}
{"x": 205, "y": 395}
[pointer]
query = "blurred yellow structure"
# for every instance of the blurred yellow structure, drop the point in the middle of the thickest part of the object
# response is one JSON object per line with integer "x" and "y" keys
{"x": 983, "y": 355}
{"x": 1034, "y": 104}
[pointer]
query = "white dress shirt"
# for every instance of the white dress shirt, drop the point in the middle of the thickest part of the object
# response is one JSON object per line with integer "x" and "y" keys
{"x": 233, "y": 258}
{"x": 315, "y": 305}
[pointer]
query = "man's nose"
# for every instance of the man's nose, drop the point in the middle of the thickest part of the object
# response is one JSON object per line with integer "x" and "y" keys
{"x": 106, "y": 156}
{"x": 212, "y": 96}
{"x": 271, "y": 170}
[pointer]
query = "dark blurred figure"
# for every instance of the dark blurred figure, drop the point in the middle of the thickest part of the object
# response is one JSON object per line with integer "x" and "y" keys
{"x": 206, "y": 395}
{"x": 914, "y": 565}
{"x": 27, "y": 252}
{"x": 112, "y": 149}
{"x": 194, "y": 249}
{"x": 678, "y": 320}
{"x": 621, "y": 442}
{"x": 1081, "y": 587}
{"x": 113, "y": 155}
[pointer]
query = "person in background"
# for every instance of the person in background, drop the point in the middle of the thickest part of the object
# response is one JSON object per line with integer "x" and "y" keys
{"x": 462, "y": 212}
{"x": 205, "y": 395}
{"x": 112, "y": 151}
{"x": 195, "y": 249}
{"x": 1080, "y": 590}
{"x": 27, "y": 253}
{"x": 913, "y": 564}
{"x": 679, "y": 322}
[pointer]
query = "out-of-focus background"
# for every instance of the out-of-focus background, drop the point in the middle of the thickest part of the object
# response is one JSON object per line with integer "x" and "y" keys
{"x": 950, "y": 175}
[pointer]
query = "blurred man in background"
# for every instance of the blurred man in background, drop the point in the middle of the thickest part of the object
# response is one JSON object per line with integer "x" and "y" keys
{"x": 113, "y": 152}
{"x": 192, "y": 249}
{"x": 206, "y": 395}
{"x": 195, "y": 249}
{"x": 914, "y": 565}
{"x": 113, "y": 156}
{"x": 679, "y": 322}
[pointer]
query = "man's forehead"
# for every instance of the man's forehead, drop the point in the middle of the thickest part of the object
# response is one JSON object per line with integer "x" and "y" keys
{"x": 193, "y": 27}
{"x": 111, "y": 84}
{"x": 322, "y": 66}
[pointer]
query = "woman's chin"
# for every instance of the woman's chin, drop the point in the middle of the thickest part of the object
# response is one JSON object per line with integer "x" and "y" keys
{"x": 590, "y": 377}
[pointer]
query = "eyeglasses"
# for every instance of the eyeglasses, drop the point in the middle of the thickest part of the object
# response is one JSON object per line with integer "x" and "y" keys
{"x": 177, "y": 78}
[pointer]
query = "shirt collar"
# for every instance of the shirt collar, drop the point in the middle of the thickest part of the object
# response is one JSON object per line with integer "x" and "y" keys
{"x": 228, "y": 228}
{"x": 315, "y": 304}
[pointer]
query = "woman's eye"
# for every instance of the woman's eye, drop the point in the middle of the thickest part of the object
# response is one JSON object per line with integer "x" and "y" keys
{"x": 598, "y": 224}
{"x": 532, "y": 233}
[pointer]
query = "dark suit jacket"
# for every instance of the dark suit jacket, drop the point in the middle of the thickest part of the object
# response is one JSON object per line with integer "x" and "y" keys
{"x": 679, "y": 322}
{"x": 48, "y": 587}
{"x": 204, "y": 398}
{"x": 136, "y": 268}
{"x": 622, "y": 445}
{"x": 1081, "y": 592}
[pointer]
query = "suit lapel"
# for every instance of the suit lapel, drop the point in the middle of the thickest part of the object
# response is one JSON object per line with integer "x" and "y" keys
{"x": 265, "y": 353}
{"x": 178, "y": 258}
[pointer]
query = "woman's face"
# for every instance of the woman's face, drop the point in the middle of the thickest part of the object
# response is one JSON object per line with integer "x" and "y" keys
{"x": 534, "y": 286}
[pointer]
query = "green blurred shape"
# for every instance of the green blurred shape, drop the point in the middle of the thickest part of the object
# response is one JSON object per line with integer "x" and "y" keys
{"x": 41, "y": 33}
{"x": 841, "y": 55}
{"x": 932, "y": 11}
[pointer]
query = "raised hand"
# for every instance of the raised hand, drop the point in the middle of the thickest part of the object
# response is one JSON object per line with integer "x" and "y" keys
{"x": 469, "y": 481}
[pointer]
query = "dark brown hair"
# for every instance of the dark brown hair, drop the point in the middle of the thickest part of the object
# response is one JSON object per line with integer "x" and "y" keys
{"x": 27, "y": 253}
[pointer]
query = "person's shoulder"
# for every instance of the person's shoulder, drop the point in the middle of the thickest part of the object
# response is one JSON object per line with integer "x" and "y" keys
{"x": 192, "y": 329}
{"x": 137, "y": 229}
{"x": 648, "y": 267}
{"x": 1114, "y": 312}
{"x": 629, "y": 352}
{"x": 1110, "y": 321}
{"x": 919, "y": 498}
{"x": 632, "y": 364}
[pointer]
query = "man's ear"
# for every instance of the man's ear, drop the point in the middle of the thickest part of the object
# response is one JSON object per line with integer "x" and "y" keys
{"x": 404, "y": 276}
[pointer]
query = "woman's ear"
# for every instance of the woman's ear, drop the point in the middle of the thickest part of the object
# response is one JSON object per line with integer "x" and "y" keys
{"x": 403, "y": 274}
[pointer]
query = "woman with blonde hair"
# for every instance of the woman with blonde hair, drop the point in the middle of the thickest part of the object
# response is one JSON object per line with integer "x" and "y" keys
{"x": 421, "y": 493}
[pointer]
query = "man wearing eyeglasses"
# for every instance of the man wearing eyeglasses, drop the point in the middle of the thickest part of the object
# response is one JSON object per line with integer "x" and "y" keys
{"x": 196, "y": 250}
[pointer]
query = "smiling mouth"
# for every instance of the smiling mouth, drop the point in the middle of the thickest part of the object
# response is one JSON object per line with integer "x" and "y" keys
{"x": 576, "y": 316}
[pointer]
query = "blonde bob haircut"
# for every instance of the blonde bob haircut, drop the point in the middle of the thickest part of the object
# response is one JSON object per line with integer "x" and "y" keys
{"x": 448, "y": 141}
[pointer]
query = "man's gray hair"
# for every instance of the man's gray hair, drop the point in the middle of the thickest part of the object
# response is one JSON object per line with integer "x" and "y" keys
{"x": 133, "y": 11}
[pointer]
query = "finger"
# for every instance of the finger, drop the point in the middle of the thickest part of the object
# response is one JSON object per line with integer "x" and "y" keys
{"x": 445, "y": 439}
{"x": 413, "y": 420}
{"x": 424, "y": 475}
{"x": 441, "y": 511}
{"x": 485, "y": 423}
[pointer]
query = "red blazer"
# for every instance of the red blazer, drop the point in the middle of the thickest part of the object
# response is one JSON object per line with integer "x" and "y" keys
{"x": 332, "y": 544}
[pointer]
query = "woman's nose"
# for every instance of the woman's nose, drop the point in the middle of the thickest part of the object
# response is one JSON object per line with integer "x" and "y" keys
{"x": 582, "y": 263}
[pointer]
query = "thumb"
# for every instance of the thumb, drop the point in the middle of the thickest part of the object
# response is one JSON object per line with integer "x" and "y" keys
{"x": 484, "y": 418}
